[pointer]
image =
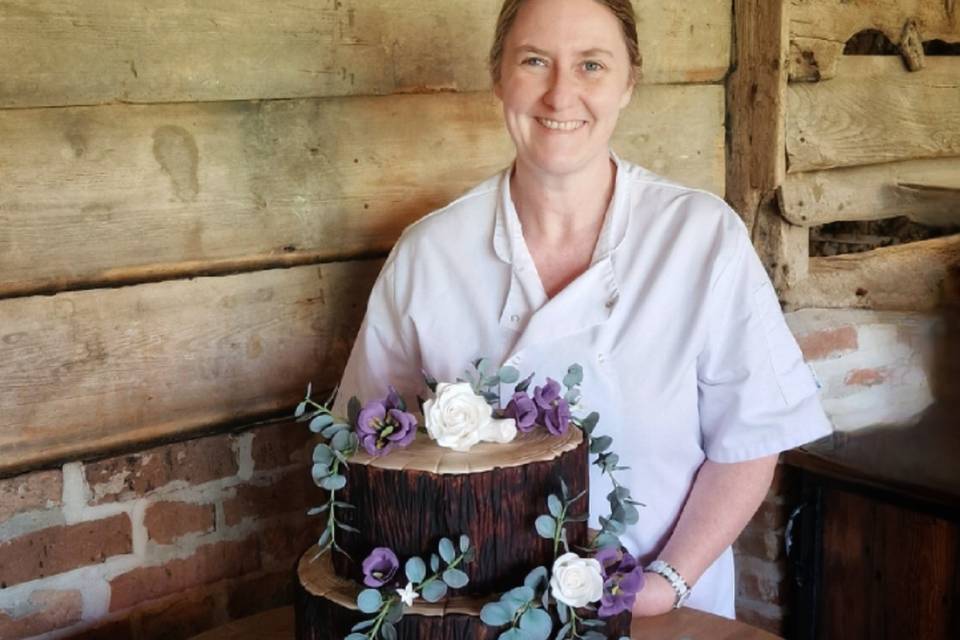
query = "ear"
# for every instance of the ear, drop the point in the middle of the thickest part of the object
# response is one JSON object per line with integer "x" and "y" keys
{"x": 498, "y": 90}
{"x": 628, "y": 93}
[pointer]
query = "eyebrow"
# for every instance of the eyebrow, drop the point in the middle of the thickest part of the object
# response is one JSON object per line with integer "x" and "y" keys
{"x": 587, "y": 53}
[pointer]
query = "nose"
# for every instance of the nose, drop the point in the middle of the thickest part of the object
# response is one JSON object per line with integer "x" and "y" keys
{"x": 561, "y": 90}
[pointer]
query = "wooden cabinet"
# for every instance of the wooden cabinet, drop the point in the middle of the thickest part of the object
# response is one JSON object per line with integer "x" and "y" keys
{"x": 875, "y": 543}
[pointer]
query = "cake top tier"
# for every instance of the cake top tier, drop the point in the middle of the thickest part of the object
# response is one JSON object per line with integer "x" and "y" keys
{"x": 423, "y": 454}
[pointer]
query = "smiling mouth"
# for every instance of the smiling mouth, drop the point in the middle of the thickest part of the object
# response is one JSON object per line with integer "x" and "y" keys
{"x": 561, "y": 125}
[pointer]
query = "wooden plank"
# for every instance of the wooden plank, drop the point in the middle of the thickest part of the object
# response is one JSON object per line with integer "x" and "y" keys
{"x": 128, "y": 193}
{"x": 91, "y": 371}
{"x": 903, "y": 277}
{"x": 874, "y": 111}
{"x": 147, "y": 51}
{"x": 819, "y": 29}
{"x": 756, "y": 106}
{"x": 926, "y": 191}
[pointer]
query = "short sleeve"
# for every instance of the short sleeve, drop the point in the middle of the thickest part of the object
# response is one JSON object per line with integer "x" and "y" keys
{"x": 385, "y": 351}
{"x": 756, "y": 395}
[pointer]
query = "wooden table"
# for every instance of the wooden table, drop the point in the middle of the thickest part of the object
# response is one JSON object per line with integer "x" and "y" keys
{"x": 684, "y": 624}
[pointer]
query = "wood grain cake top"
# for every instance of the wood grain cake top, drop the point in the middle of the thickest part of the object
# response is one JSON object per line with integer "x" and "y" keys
{"x": 424, "y": 454}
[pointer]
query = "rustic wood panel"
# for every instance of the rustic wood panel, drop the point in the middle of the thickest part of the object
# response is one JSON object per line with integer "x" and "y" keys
{"x": 903, "y": 277}
{"x": 170, "y": 51}
{"x": 926, "y": 191}
{"x": 94, "y": 370}
{"x": 756, "y": 106}
{"x": 819, "y": 29}
{"x": 124, "y": 193}
{"x": 874, "y": 111}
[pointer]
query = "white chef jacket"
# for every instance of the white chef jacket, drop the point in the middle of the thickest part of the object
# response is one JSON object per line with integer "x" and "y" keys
{"x": 684, "y": 349}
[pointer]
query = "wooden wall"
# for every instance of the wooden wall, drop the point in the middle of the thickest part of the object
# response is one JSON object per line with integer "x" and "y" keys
{"x": 195, "y": 198}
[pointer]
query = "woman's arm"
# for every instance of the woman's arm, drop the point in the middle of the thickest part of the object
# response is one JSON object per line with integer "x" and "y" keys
{"x": 723, "y": 499}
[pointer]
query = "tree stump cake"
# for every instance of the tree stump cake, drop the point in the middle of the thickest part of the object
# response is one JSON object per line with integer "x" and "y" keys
{"x": 411, "y": 498}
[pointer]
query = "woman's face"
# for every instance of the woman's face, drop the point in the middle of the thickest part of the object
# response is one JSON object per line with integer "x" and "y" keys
{"x": 564, "y": 77}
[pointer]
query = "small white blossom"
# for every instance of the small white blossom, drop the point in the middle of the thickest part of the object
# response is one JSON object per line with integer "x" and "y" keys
{"x": 576, "y": 581}
{"x": 457, "y": 418}
{"x": 407, "y": 594}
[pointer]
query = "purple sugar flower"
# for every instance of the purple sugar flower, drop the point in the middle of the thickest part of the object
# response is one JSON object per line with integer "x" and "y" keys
{"x": 381, "y": 429}
{"x": 394, "y": 400}
{"x": 523, "y": 410}
{"x": 557, "y": 418}
{"x": 623, "y": 579}
{"x": 379, "y": 567}
{"x": 545, "y": 395}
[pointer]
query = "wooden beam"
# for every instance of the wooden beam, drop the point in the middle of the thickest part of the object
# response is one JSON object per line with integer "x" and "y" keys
{"x": 874, "y": 111}
{"x": 907, "y": 277}
{"x": 76, "y": 52}
{"x": 95, "y": 196}
{"x": 819, "y": 29}
{"x": 926, "y": 191}
{"x": 92, "y": 371}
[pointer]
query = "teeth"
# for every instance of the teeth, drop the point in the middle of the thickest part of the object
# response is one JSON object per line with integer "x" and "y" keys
{"x": 569, "y": 125}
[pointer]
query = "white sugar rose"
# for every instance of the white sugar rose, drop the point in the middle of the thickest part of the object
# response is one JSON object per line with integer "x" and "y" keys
{"x": 457, "y": 418}
{"x": 576, "y": 581}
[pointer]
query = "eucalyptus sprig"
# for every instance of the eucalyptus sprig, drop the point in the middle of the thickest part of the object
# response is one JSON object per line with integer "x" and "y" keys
{"x": 329, "y": 458}
{"x": 623, "y": 508}
{"x": 485, "y": 380}
{"x": 524, "y": 608}
{"x": 553, "y": 526}
{"x": 445, "y": 566}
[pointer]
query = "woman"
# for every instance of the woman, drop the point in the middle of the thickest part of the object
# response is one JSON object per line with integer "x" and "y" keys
{"x": 574, "y": 255}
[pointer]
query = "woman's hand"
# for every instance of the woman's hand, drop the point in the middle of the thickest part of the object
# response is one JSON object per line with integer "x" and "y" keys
{"x": 656, "y": 597}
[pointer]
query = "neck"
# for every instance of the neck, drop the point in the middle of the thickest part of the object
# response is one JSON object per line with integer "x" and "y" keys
{"x": 552, "y": 209}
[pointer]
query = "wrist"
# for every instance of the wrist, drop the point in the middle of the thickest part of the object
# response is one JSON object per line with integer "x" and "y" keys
{"x": 672, "y": 577}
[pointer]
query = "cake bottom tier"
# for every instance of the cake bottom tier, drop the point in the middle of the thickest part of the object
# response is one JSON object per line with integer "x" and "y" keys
{"x": 325, "y": 608}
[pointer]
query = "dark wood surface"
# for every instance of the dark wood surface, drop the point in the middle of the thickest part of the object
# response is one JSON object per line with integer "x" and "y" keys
{"x": 684, "y": 624}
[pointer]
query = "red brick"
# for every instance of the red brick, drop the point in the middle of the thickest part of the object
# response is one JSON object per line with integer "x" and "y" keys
{"x": 290, "y": 492}
{"x": 260, "y": 593}
{"x": 167, "y": 521}
{"x": 208, "y": 564}
{"x": 759, "y": 588}
{"x": 48, "y": 610}
{"x": 828, "y": 343}
{"x": 770, "y": 516}
{"x": 279, "y": 445}
{"x": 30, "y": 492}
{"x": 866, "y": 377}
{"x": 755, "y": 542}
{"x": 58, "y": 549}
{"x": 183, "y": 616}
{"x": 195, "y": 462}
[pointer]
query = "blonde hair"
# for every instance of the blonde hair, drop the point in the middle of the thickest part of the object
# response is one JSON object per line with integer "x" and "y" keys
{"x": 621, "y": 9}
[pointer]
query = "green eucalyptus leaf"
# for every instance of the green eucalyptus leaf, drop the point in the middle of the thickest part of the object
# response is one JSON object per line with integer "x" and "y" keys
{"x": 434, "y": 562}
{"x": 322, "y": 454}
{"x": 416, "y": 570}
{"x": 630, "y": 514}
{"x": 564, "y": 492}
{"x": 590, "y": 422}
{"x": 319, "y": 472}
{"x": 564, "y": 630}
{"x": 347, "y": 527}
{"x": 395, "y": 612}
{"x": 574, "y": 376}
{"x": 321, "y": 422}
{"x": 513, "y": 634}
{"x": 572, "y": 396}
{"x": 537, "y": 624}
{"x": 518, "y": 596}
{"x": 455, "y": 578}
{"x": 464, "y": 543}
{"x": 332, "y": 430}
{"x": 593, "y": 635}
{"x": 495, "y": 614}
{"x": 325, "y": 538}
{"x": 300, "y": 410}
{"x": 369, "y": 601}
{"x": 563, "y": 611}
{"x": 508, "y": 374}
{"x": 388, "y": 631}
{"x": 546, "y": 526}
{"x": 356, "y": 636}
{"x": 365, "y": 624}
{"x": 333, "y": 483}
{"x": 606, "y": 540}
{"x": 341, "y": 441}
{"x": 434, "y": 592}
{"x": 353, "y": 410}
{"x": 447, "y": 551}
{"x": 600, "y": 444}
{"x": 593, "y": 623}
{"x": 536, "y": 578}
{"x": 554, "y": 505}
{"x": 315, "y": 510}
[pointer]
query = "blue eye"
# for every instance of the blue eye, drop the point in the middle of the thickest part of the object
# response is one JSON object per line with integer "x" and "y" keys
{"x": 534, "y": 61}
{"x": 591, "y": 65}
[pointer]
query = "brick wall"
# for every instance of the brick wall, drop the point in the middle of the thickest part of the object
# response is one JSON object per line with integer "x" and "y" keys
{"x": 875, "y": 368}
{"x": 163, "y": 543}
